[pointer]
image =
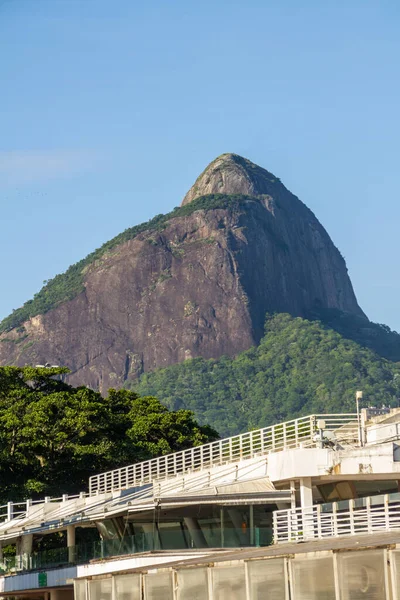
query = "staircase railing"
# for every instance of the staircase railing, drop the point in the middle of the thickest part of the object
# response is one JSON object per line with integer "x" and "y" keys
{"x": 291, "y": 434}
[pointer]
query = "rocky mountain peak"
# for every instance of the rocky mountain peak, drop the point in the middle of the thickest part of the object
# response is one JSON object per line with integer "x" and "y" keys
{"x": 232, "y": 174}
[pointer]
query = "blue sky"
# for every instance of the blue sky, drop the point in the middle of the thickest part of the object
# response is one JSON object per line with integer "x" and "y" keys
{"x": 110, "y": 109}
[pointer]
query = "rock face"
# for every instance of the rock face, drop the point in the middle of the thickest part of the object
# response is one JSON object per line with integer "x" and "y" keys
{"x": 199, "y": 287}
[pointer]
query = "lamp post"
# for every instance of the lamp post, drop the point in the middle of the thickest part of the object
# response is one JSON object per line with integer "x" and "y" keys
{"x": 359, "y": 396}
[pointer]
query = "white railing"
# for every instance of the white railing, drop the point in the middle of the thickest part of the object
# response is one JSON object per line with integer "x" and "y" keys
{"x": 19, "y": 510}
{"x": 364, "y": 515}
{"x": 291, "y": 434}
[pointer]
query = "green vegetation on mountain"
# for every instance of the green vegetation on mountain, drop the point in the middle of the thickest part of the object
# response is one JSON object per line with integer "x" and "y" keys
{"x": 54, "y": 436}
{"x": 300, "y": 367}
{"x": 68, "y": 285}
{"x": 376, "y": 336}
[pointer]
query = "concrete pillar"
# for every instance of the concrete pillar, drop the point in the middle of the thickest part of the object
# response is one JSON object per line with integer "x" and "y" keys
{"x": 195, "y": 531}
{"x": 306, "y": 501}
{"x": 71, "y": 543}
{"x": 306, "y": 498}
{"x": 24, "y": 544}
{"x": 292, "y": 494}
{"x": 24, "y": 550}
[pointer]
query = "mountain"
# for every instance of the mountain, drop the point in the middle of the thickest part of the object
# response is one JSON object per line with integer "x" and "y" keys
{"x": 196, "y": 282}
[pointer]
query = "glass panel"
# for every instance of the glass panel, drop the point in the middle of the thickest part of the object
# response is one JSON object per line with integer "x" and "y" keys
{"x": 158, "y": 587}
{"x": 127, "y": 587}
{"x": 229, "y": 583}
{"x": 193, "y": 584}
{"x": 361, "y": 575}
{"x": 267, "y": 579}
{"x": 100, "y": 589}
{"x": 80, "y": 589}
{"x": 313, "y": 579}
{"x": 395, "y": 572}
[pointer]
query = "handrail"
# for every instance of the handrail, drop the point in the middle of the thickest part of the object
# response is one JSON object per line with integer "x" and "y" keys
{"x": 291, "y": 434}
{"x": 353, "y": 517}
{"x": 19, "y": 510}
{"x": 288, "y": 435}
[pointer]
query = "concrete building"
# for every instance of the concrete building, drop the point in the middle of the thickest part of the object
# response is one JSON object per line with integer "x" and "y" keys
{"x": 307, "y": 509}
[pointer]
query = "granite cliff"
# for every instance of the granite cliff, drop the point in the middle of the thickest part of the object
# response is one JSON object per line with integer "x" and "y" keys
{"x": 196, "y": 282}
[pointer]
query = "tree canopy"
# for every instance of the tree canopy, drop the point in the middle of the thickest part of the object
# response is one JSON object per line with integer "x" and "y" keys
{"x": 54, "y": 436}
{"x": 300, "y": 367}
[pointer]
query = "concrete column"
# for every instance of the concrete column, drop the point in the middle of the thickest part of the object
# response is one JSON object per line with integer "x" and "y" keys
{"x": 195, "y": 531}
{"x": 71, "y": 543}
{"x": 306, "y": 498}
{"x": 24, "y": 549}
{"x": 306, "y": 501}
{"x": 24, "y": 544}
{"x": 292, "y": 494}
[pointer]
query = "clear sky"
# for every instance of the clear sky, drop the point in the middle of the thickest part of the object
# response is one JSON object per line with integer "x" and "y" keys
{"x": 109, "y": 109}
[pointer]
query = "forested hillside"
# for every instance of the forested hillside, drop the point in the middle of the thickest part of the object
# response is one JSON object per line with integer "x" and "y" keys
{"x": 300, "y": 367}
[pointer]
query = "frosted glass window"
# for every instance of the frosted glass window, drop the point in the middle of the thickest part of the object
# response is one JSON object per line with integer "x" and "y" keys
{"x": 127, "y": 587}
{"x": 267, "y": 579}
{"x": 80, "y": 589}
{"x": 229, "y": 583}
{"x": 395, "y": 572}
{"x": 158, "y": 586}
{"x": 362, "y": 575}
{"x": 192, "y": 583}
{"x": 100, "y": 589}
{"x": 313, "y": 579}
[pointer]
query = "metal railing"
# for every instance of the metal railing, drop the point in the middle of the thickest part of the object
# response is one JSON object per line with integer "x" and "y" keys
{"x": 291, "y": 434}
{"x": 350, "y": 517}
{"x": 19, "y": 510}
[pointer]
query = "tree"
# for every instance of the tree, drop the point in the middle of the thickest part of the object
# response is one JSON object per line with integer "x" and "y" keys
{"x": 54, "y": 436}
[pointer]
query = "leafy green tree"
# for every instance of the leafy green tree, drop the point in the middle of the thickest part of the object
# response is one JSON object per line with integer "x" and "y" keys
{"x": 54, "y": 436}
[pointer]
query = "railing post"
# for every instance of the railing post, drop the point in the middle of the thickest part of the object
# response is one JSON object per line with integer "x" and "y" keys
{"x": 275, "y": 528}
{"x": 368, "y": 510}
{"x": 284, "y": 435}
{"x": 313, "y": 426}
{"x": 10, "y": 511}
{"x": 387, "y": 514}
{"x": 319, "y": 524}
{"x": 351, "y": 515}
{"x": 334, "y": 514}
{"x": 273, "y": 437}
{"x": 296, "y": 433}
{"x": 262, "y": 441}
